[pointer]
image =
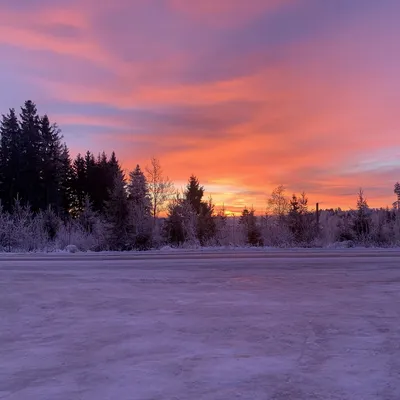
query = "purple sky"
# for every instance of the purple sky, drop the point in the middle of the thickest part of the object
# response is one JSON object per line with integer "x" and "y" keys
{"x": 247, "y": 95}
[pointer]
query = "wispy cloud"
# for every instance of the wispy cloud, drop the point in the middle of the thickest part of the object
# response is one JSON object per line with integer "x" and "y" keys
{"x": 247, "y": 95}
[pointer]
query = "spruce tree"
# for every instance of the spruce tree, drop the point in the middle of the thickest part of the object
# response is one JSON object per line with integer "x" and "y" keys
{"x": 138, "y": 189}
{"x": 31, "y": 145}
{"x": 140, "y": 203}
{"x": 174, "y": 231}
{"x": 206, "y": 226}
{"x": 10, "y": 159}
{"x": 251, "y": 229}
{"x": 396, "y": 190}
{"x": 204, "y": 211}
{"x": 118, "y": 217}
{"x": 181, "y": 223}
{"x": 79, "y": 189}
{"x": 66, "y": 178}
{"x": 103, "y": 176}
{"x": 194, "y": 193}
{"x": 299, "y": 219}
{"x": 51, "y": 150}
{"x": 362, "y": 220}
{"x": 113, "y": 168}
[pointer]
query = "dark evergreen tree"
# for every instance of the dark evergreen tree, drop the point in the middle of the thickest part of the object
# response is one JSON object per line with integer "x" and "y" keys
{"x": 296, "y": 217}
{"x": 79, "y": 189}
{"x": 91, "y": 169}
{"x": 66, "y": 179}
{"x": 140, "y": 203}
{"x": 118, "y": 217}
{"x": 362, "y": 219}
{"x": 106, "y": 171}
{"x": 113, "y": 169}
{"x": 396, "y": 190}
{"x": 191, "y": 218}
{"x": 138, "y": 190}
{"x": 302, "y": 224}
{"x": 51, "y": 166}
{"x": 110, "y": 168}
{"x": 251, "y": 229}
{"x": 204, "y": 210}
{"x": 94, "y": 177}
{"x": 10, "y": 160}
{"x": 206, "y": 226}
{"x": 194, "y": 193}
{"x": 173, "y": 227}
{"x": 30, "y": 151}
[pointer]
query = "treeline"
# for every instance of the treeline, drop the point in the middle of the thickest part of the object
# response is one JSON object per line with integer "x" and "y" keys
{"x": 52, "y": 202}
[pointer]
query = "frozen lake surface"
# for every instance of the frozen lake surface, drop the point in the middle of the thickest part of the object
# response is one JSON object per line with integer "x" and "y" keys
{"x": 294, "y": 325}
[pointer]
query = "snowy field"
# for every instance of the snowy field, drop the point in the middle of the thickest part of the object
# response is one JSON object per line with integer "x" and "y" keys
{"x": 264, "y": 325}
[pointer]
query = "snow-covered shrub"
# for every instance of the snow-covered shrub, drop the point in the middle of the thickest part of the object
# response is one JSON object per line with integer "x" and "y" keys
{"x": 72, "y": 233}
{"x": 275, "y": 232}
{"x": 71, "y": 248}
{"x": 50, "y": 222}
{"x": 27, "y": 231}
{"x": 181, "y": 224}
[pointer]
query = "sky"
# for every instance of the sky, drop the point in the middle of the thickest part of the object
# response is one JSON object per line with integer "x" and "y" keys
{"x": 246, "y": 95}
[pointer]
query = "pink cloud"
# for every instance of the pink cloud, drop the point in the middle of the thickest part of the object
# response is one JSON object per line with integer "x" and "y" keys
{"x": 318, "y": 110}
{"x": 226, "y": 13}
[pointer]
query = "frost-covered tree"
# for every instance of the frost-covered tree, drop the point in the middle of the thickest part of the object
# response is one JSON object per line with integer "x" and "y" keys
{"x": 362, "y": 218}
{"x": 223, "y": 231}
{"x": 88, "y": 217}
{"x": 51, "y": 223}
{"x": 278, "y": 203}
{"x": 138, "y": 190}
{"x": 181, "y": 224}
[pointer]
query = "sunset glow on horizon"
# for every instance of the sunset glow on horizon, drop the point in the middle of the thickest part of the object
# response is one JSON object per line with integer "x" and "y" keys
{"x": 244, "y": 95}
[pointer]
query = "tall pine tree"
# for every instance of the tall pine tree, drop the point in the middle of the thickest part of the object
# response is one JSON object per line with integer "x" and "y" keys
{"x": 66, "y": 176}
{"x": 10, "y": 160}
{"x": 51, "y": 149}
{"x": 194, "y": 193}
{"x": 31, "y": 145}
{"x": 118, "y": 217}
{"x": 140, "y": 203}
{"x": 79, "y": 189}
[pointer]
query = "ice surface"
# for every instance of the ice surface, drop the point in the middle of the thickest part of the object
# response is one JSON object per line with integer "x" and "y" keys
{"x": 224, "y": 325}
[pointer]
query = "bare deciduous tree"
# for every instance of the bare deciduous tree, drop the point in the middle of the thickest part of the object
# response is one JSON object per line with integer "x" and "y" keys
{"x": 161, "y": 189}
{"x": 278, "y": 203}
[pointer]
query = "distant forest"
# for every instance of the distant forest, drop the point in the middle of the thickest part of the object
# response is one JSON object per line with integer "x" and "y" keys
{"x": 50, "y": 202}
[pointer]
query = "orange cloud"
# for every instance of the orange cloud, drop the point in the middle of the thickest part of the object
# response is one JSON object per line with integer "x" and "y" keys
{"x": 305, "y": 111}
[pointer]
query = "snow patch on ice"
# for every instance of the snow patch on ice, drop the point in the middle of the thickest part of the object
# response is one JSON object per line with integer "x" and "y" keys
{"x": 71, "y": 248}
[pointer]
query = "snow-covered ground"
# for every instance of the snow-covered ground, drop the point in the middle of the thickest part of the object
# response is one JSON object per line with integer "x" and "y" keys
{"x": 270, "y": 325}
